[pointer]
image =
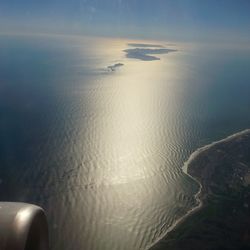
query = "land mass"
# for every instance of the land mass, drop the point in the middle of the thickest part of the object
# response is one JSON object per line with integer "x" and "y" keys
{"x": 115, "y": 66}
{"x": 145, "y": 45}
{"x": 222, "y": 220}
{"x": 145, "y": 54}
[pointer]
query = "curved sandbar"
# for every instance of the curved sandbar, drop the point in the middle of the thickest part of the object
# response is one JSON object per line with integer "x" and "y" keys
{"x": 223, "y": 221}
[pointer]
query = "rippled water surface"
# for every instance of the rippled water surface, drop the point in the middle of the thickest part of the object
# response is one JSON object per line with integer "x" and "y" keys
{"x": 102, "y": 150}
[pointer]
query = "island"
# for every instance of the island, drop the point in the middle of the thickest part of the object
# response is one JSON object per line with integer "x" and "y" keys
{"x": 222, "y": 219}
{"x": 115, "y": 66}
{"x": 145, "y": 52}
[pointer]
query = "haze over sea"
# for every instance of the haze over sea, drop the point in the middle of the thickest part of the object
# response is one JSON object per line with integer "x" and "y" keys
{"x": 99, "y": 138}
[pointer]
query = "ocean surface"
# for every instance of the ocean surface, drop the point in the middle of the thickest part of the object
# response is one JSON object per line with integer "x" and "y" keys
{"x": 99, "y": 139}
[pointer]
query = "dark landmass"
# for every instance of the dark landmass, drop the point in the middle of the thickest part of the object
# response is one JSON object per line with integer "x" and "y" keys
{"x": 223, "y": 220}
{"x": 145, "y": 45}
{"x": 115, "y": 66}
{"x": 146, "y": 54}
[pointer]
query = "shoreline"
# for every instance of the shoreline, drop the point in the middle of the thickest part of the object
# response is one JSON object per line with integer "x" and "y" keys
{"x": 198, "y": 196}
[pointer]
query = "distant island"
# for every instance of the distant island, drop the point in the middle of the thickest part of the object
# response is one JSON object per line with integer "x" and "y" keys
{"x": 145, "y": 45}
{"x": 222, "y": 221}
{"x": 115, "y": 66}
{"x": 144, "y": 52}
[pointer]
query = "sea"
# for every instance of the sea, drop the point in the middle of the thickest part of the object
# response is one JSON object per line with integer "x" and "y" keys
{"x": 99, "y": 140}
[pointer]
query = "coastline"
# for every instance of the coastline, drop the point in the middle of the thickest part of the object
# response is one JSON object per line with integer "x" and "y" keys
{"x": 201, "y": 195}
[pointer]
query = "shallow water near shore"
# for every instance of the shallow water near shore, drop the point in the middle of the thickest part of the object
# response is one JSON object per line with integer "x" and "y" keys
{"x": 102, "y": 151}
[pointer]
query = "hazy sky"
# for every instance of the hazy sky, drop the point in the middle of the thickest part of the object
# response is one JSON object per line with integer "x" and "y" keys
{"x": 173, "y": 19}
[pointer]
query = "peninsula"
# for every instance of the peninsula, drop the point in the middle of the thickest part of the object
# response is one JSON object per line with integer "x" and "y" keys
{"x": 222, "y": 220}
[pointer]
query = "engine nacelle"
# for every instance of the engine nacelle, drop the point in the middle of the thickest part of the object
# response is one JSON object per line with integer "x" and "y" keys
{"x": 22, "y": 227}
